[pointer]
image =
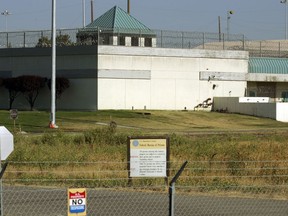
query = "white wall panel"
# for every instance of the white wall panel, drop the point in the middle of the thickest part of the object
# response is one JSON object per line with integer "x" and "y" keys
{"x": 111, "y": 94}
{"x": 138, "y": 94}
{"x": 163, "y": 92}
{"x": 174, "y": 80}
{"x": 277, "y": 111}
{"x": 282, "y": 114}
{"x": 185, "y": 94}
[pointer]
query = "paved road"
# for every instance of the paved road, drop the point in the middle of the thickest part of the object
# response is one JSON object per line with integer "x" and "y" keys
{"x": 25, "y": 201}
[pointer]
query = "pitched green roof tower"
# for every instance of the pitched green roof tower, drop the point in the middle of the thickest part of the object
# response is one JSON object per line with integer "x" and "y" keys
{"x": 117, "y": 27}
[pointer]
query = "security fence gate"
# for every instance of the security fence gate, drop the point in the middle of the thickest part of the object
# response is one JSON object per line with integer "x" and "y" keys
{"x": 204, "y": 188}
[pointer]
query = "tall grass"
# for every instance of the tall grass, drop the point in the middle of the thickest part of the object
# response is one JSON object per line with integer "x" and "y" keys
{"x": 95, "y": 144}
{"x": 102, "y": 153}
{"x": 97, "y": 155}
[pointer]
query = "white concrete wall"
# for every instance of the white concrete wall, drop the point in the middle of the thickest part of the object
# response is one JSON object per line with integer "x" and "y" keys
{"x": 232, "y": 105}
{"x": 174, "y": 82}
{"x": 277, "y": 111}
{"x": 282, "y": 114}
{"x": 138, "y": 77}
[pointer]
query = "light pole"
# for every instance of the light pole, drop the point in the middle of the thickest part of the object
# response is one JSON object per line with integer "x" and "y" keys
{"x": 84, "y": 13}
{"x": 6, "y": 13}
{"x": 229, "y": 13}
{"x": 53, "y": 76}
{"x": 285, "y": 2}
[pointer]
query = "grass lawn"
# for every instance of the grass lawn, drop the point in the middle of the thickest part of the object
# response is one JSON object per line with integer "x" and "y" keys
{"x": 147, "y": 121}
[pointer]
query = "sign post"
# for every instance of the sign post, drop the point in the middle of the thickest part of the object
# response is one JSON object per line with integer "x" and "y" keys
{"x": 77, "y": 203}
{"x": 14, "y": 115}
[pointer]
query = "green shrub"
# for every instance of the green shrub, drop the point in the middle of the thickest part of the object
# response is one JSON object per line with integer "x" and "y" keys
{"x": 106, "y": 136}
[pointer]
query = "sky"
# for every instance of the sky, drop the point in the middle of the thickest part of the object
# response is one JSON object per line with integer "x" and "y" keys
{"x": 256, "y": 19}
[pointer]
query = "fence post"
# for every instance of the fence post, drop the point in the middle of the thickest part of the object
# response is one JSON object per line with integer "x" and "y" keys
{"x": 7, "y": 40}
{"x": 172, "y": 189}
{"x": 1, "y": 189}
{"x": 98, "y": 36}
{"x": 203, "y": 40}
{"x": 279, "y": 50}
{"x": 24, "y": 39}
{"x": 171, "y": 199}
{"x": 260, "y": 49}
{"x": 244, "y": 43}
{"x": 182, "y": 33}
{"x": 161, "y": 39}
{"x": 223, "y": 41}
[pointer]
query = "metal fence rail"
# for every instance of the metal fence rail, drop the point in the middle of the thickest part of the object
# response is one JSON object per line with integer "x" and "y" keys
{"x": 204, "y": 188}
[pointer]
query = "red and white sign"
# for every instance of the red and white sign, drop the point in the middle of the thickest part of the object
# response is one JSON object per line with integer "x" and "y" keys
{"x": 77, "y": 202}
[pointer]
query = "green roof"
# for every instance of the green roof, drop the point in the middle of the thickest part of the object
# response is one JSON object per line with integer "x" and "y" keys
{"x": 268, "y": 65}
{"x": 119, "y": 21}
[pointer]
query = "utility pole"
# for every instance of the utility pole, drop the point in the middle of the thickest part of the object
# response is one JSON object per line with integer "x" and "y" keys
{"x": 128, "y": 6}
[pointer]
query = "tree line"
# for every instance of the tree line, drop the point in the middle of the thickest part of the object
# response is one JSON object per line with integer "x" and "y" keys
{"x": 29, "y": 86}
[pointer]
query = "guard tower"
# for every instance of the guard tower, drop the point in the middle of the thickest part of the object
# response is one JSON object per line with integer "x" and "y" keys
{"x": 117, "y": 27}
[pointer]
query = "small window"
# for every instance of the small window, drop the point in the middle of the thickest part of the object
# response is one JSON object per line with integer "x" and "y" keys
{"x": 148, "y": 42}
{"x": 122, "y": 40}
{"x": 284, "y": 96}
{"x": 105, "y": 39}
{"x": 135, "y": 41}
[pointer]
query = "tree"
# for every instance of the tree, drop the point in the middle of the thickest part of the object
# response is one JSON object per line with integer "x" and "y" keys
{"x": 14, "y": 86}
{"x": 44, "y": 42}
{"x": 30, "y": 87}
{"x": 62, "y": 84}
{"x": 61, "y": 40}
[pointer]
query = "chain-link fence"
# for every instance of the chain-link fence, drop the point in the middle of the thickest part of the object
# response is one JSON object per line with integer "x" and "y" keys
{"x": 204, "y": 188}
{"x": 163, "y": 39}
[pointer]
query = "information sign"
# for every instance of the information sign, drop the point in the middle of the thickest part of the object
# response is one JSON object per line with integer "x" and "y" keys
{"x": 13, "y": 114}
{"x": 77, "y": 202}
{"x": 148, "y": 156}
